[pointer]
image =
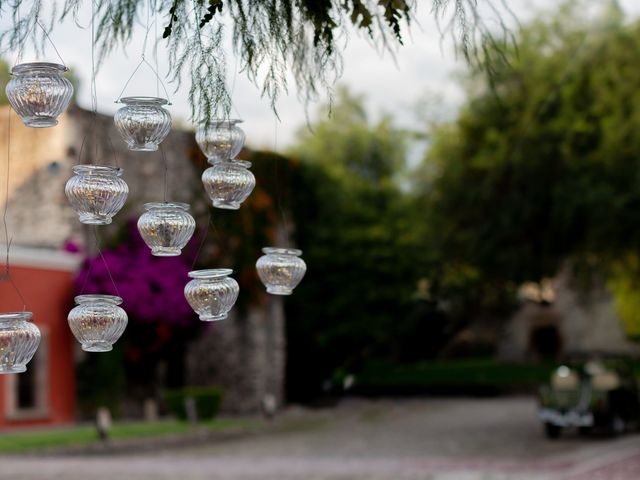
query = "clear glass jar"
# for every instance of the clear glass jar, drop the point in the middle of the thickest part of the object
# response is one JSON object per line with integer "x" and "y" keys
{"x": 143, "y": 123}
{"x": 19, "y": 340}
{"x": 166, "y": 227}
{"x": 228, "y": 184}
{"x": 39, "y": 93}
{"x": 96, "y": 193}
{"x": 281, "y": 269}
{"x": 221, "y": 140}
{"x": 97, "y": 321}
{"x": 212, "y": 293}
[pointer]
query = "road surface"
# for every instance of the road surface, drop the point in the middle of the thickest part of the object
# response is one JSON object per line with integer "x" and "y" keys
{"x": 417, "y": 439}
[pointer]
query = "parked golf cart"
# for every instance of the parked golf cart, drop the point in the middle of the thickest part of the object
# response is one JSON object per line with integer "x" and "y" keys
{"x": 596, "y": 394}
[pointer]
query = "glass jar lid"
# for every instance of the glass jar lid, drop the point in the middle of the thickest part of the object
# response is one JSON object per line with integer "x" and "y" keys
{"x": 97, "y": 170}
{"x": 15, "y": 317}
{"x": 166, "y": 205}
{"x": 95, "y": 298}
{"x": 39, "y": 66}
{"x": 282, "y": 251}
{"x": 143, "y": 100}
{"x": 211, "y": 273}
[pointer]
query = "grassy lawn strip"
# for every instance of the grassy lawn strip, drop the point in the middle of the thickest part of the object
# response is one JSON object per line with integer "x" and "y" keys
{"x": 21, "y": 442}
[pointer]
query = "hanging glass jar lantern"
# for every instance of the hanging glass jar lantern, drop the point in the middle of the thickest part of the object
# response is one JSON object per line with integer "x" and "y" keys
{"x": 221, "y": 140}
{"x": 212, "y": 293}
{"x": 96, "y": 193}
{"x": 19, "y": 340}
{"x": 39, "y": 93}
{"x": 97, "y": 321}
{"x": 228, "y": 184}
{"x": 166, "y": 227}
{"x": 281, "y": 269}
{"x": 143, "y": 122}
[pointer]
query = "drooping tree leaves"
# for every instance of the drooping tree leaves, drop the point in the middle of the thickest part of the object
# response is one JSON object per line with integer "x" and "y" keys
{"x": 272, "y": 39}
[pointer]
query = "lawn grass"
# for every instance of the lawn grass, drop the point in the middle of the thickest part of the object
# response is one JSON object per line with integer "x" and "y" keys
{"x": 81, "y": 435}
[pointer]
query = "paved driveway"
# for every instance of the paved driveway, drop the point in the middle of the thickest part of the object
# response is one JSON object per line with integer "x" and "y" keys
{"x": 453, "y": 439}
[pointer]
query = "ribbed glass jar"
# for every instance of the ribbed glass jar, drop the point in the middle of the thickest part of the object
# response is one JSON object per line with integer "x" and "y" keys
{"x": 19, "y": 340}
{"x": 143, "y": 123}
{"x": 228, "y": 184}
{"x": 39, "y": 93}
{"x": 281, "y": 269}
{"x": 166, "y": 227}
{"x": 97, "y": 321}
{"x": 212, "y": 293}
{"x": 96, "y": 193}
{"x": 221, "y": 140}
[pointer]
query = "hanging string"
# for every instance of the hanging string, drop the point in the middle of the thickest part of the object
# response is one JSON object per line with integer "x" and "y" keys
{"x": 46, "y": 34}
{"x": 104, "y": 261}
{"x": 144, "y": 61}
{"x": 158, "y": 79}
{"x": 166, "y": 173}
{"x": 93, "y": 88}
{"x": 6, "y": 276}
{"x": 115, "y": 155}
{"x": 204, "y": 237}
{"x": 155, "y": 50}
{"x": 233, "y": 87}
{"x": 283, "y": 213}
{"x": 20, "y": 40}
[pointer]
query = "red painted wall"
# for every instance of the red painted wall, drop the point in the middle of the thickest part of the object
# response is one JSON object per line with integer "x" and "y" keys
{"x": 49, "y": 295}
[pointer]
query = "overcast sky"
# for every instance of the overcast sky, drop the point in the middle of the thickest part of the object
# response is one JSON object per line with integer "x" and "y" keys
{"x": 426, "y": 64}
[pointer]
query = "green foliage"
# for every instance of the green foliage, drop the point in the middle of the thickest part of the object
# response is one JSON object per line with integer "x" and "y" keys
{"x": 271, "y": 38}
{"x": 365, "y": 256}
{"x": 27, "y": 441}
{"x": 207, "y": 401}
{"x": 542, "y": 163}
{"x": 5, "y": 76}
{"x": 623, "y": 282}
{"x": 100, "y": 381}
{"x": 465, "y": 374}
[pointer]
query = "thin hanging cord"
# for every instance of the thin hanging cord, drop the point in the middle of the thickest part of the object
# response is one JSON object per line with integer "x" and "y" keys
{"x": 20, "y": 40}
{"x": 166, "y": 173}
{"x": 233, "y": 87}
{"x": 155, "y": 50}
{"x": 106, "y": 265}
{"x": 7, "y": 269}
{"x": 285, "y": 223}
{"x": 46, "y": 34}
{"x": 104, "y": 261}
{"x": 94, "y": 90}
{"x": 143, "y": 59}
{"x": 204, "y": 237}
{"x": 113, "y": 149}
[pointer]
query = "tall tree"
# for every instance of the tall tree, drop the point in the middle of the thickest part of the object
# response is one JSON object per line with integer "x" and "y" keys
{"x": 355, "y": 226}
{"x": 542, "y": 164}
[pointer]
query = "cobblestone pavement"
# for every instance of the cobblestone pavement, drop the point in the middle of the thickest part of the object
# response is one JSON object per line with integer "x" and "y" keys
{"x": 428, "y": 439}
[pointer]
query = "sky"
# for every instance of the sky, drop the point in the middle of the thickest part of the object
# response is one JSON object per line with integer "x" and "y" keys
{"x": 425, "y": 65}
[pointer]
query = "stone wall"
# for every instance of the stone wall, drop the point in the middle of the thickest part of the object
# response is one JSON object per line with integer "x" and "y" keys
{"x": 585, "y": 322}
{"x": 245, "y": 355}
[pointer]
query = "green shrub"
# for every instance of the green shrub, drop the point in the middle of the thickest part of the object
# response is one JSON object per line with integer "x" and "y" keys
{"x": 207, "y": 400}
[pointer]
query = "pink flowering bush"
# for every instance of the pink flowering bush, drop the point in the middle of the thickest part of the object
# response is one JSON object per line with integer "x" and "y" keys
{"x": 151, "y": 287}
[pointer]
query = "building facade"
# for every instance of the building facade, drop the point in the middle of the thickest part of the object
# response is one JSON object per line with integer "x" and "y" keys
{"x": 45, "y": 393}
{"x": 244, "y": 355}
